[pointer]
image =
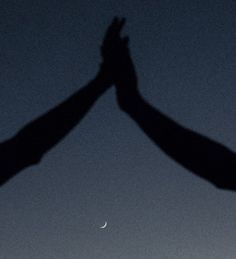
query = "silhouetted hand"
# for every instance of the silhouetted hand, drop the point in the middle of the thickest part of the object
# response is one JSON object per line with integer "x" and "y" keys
{"x": 111, "y": 47}
{"x": 111, "y": 41}
{"x": 121, "y": 65}
{"x": 125, "y": 79}
{"x": 109, "y": 50}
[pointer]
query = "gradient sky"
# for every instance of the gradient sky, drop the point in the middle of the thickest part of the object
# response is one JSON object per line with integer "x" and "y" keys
{"x": 106, "y": 169}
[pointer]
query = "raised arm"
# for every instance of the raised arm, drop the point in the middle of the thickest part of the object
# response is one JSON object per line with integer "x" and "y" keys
{"x": 32, "y": 142}
{"x": 201, "y": 155}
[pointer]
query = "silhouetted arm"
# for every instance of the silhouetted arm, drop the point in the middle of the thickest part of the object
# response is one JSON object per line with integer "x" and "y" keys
{"x": 32, "y": 142}
{"x": 29, "y": 145}
{"x": 201, "y": 155}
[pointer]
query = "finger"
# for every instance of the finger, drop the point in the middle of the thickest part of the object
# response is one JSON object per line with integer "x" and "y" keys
{"x": 120, "y": 25}
{"x": 112, "y": 27}
{"x": 115, "y": 27}
{"x": 112, "y": 36}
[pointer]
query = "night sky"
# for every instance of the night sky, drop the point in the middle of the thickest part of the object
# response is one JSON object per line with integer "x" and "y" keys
{"x": 107, "y": 169}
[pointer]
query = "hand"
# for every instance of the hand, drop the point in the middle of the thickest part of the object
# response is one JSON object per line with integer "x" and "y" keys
{"x": 111, "y": 45}
{"x": 123, "y": 68}
{"x": 112, "y": 40}
{"x": 126, "y": 80}
{"x": 115, "y": 50}
{"x": 117, "y": 63}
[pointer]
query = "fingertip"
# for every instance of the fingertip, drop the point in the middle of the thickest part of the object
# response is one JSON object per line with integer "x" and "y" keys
{"x": 114, "y": 22}
{"x": 120, "y": 24}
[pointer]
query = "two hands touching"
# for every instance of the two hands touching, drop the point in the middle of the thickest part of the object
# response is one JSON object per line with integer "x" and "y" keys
{"x": 117, "y": 64}
{"x": 36, "y": 138}
{"x": 202, "y": 156}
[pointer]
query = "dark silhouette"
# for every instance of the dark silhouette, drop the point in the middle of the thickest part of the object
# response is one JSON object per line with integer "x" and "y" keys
{"x": 201, "y": 155}
{"x": 29, "y": 145}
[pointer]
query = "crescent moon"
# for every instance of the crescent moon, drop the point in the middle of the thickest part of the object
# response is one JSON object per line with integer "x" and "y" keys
{"x": 104, "y": 226}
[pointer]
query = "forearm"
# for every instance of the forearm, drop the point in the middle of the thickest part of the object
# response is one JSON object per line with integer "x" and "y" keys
{"x": 39, "y": 136}
{"x": 46, "y": 131}
{"x": 201, "y": 155}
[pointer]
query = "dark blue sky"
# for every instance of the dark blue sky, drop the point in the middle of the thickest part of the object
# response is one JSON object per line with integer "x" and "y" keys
{"x": 107, "y": 169}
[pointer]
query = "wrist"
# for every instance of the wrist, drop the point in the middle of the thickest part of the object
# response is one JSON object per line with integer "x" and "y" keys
{"x": 128, "y": 99}
{"x": 104, "y": 74}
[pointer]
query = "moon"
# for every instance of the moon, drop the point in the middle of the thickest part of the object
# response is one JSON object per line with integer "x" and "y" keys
{"x": 104, "y": 226}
